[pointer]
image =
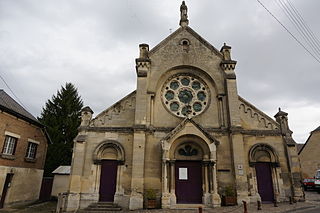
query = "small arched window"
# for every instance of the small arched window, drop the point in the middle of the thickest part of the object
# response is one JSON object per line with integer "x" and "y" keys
{"x": 185, "y": 43}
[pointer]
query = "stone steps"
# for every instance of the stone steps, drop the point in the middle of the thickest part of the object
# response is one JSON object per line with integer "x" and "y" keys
{"x": 100, "y": 207}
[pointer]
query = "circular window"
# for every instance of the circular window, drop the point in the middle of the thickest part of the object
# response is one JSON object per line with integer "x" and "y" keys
{"x": 185, "y": 95}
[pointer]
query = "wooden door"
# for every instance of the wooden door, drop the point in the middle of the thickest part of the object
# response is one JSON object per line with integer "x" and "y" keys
{"x": 108, "y": 180}
{"x": 188, "y": 181}
{"x": 264, "y": 179}
{"x": 5, "y": 189}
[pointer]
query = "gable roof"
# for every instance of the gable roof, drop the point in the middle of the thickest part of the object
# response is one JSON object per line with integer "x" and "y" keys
{"x": 62, "y": 170}
{"x": 301, "y": 149}
{"x": 115, "y": 104}
{"x": 198, "y": 126}
{"x": 299, "y": 146}
{"x": 317, "y": 129}
{"x": 12, "y": 107}
{"x": 262, "y": 114}
{"x": 192, "y": 32}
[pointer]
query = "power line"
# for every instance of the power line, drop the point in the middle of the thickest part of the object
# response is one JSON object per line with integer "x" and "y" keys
{"x": 300, "y": 27}
{"x": 302, "y": 45}
{"x": 13, "y": 92}
{"x": 313, "y": 36}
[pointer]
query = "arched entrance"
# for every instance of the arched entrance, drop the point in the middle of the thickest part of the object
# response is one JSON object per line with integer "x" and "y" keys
{"x": 188, "y": 171}
{"x": 109, "y": 155}
{"x": 264, "y": 159}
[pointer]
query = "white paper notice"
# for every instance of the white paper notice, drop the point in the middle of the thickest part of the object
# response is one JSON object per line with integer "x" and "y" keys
{"x": 183, "y": 173}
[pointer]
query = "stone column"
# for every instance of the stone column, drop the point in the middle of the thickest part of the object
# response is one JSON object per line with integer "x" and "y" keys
{"x": 173, "y": 198}
{"x": 215, "y": 197}
{"x": 165, "y": 198}
{"x": 119, "y": 190}
{"x": 206, "y": 173}
{"x": 206, "y": 194}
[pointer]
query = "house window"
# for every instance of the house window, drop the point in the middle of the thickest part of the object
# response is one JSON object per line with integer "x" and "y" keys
{"x": 9, "y": 147}
{"x": 32, "y": 150}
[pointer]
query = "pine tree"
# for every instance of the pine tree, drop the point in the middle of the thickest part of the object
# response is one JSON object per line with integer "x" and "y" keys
{"x": 61, "y": 116}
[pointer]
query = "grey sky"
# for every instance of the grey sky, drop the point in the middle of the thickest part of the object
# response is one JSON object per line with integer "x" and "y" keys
{"x": 93, "y": 44}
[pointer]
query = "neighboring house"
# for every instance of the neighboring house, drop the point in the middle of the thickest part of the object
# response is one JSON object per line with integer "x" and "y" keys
{"x": 185, "y": 133}
{"x": 60, "y": 180}
{"x": 23, "y": 144}
{"x": 309, "y": 154}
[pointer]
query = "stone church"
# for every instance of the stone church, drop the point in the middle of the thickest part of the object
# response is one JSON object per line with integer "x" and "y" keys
{"x": 185, "y": 134}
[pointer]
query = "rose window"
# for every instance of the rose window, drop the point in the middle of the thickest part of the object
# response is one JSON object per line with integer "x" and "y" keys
{"x": 185, "y": 95}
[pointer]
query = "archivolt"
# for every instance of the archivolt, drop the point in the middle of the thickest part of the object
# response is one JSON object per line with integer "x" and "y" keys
{"x": 113, "y": 146}
{"x": 263, "y": 153}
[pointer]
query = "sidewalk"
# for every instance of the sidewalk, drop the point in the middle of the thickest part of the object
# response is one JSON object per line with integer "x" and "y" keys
{"x": 312, "y": 201}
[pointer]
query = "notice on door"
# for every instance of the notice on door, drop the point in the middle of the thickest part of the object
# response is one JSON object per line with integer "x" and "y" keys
{"x": 183, "y": 173}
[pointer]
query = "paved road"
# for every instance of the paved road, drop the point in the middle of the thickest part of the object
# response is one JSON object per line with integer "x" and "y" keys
{"x": 314, "y": 210}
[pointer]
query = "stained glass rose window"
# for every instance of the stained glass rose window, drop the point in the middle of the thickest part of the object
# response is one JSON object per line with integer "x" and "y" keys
{"x": 185, "y": 95}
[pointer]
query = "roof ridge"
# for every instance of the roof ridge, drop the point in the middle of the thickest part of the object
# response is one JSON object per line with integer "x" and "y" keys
{"x": 8, "y": 104}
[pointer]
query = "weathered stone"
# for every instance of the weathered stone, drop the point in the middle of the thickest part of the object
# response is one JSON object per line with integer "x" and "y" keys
{"x": 186, "y": 108}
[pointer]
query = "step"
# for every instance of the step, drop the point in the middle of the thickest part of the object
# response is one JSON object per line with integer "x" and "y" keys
{"x": 103, "y": 209}
{"x": 98, "y": 210}
{"x": 89, "y": 211}
{"x": 102, "y": 205}
{"x": 188, "y": 206}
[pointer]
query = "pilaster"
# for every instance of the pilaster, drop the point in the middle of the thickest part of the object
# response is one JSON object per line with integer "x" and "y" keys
{"x": 291, "y": 155}
{"x": 137, "y": 180}
{"x": 139, "y": 137}
{"x": 73, "y": 197}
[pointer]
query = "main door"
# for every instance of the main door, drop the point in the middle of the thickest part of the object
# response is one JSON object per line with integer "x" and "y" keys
{"x": 188, "y": 181}
{"x": 5, "y": 189}
{"x": 108, "y": 180}
{"x": 264, "y": 179}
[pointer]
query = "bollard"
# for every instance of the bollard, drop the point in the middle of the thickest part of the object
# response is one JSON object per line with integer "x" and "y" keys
{"x": 275, "y": 203}
{"x": 290, "y": 200}
{"x": 245, "y": 210}
{"x": 259, "y": 204}
{"x": 200, "y": 209}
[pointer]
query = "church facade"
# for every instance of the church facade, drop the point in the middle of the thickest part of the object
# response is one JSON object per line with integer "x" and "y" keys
{"x": 184, "y": 134}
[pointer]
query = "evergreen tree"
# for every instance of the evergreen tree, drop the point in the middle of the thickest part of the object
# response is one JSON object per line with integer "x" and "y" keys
{"x": 61, "y": 116}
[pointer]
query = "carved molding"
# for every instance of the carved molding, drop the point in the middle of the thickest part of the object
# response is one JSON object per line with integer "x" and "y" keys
{"x": 255, "y": 113}
{"x": 125, "y": 104}
{"x": 268, "y": 149}
{"x": 96, "y": 156}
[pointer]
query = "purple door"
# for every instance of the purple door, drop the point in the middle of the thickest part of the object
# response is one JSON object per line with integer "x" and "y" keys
{"x": 108, "y": 180}
{"x": 188, "y": 182}
{"x": 264, "y": 179}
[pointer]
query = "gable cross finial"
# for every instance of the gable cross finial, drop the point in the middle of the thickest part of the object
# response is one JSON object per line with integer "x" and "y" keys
{"x": 184, "y": 15}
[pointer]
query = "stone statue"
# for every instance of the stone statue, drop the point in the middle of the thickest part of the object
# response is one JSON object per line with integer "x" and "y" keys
{"x": 184, "y": 14}
{"x": 184, "y": 11}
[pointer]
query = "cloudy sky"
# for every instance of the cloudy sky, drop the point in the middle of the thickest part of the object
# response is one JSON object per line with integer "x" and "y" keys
{"x": 93, "y": 44}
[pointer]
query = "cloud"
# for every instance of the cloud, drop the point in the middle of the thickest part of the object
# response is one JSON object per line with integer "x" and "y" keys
{"x": 93, "y": 44}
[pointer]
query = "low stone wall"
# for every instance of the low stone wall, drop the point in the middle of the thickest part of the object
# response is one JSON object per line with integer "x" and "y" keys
{"x": 25, "y": 185}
